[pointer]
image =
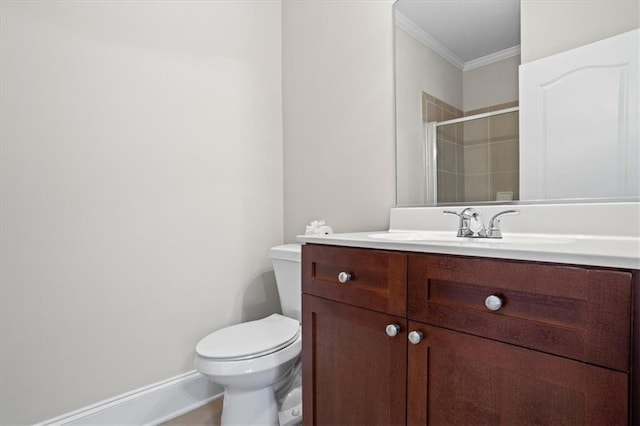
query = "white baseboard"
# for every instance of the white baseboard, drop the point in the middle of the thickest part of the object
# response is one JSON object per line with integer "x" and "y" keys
{"x": 150, "y": 405}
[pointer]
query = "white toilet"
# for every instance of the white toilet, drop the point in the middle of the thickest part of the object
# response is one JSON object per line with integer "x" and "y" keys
{"x": 258, "y": 362}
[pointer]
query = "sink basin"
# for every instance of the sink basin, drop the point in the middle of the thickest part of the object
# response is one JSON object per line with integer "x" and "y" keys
{"x": 415, "y": 236}
{"x": 450, "y": 237}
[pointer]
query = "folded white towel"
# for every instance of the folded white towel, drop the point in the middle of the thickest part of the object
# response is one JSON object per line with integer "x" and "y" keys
{"x": 318, "y": 227}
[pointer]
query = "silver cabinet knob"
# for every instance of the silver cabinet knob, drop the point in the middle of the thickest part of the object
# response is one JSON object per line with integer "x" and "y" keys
{"x": 343, "y": 277}
{"x": 415, "y": 337}
{"x": 392, "y": 330}
{"x": 493, "y": 303}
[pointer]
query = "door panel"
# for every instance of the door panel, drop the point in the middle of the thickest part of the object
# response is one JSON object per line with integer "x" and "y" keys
{"x": 353, "y": 372}
{"x": 459, "y": 379}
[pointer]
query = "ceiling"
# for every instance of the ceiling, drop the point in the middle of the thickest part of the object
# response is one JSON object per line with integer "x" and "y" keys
{"x": 470, "y": 29}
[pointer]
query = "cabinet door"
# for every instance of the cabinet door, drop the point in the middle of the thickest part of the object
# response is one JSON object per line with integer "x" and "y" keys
{"x": 353, "y": 372}
{"x": 459, "y": 379}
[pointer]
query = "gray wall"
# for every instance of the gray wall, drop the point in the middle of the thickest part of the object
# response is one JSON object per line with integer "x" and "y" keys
{"x": 418, "y": 70}
{"x": 141, "y": 191}
{"x": 550, "y": 27}
{"x": 338, "y": 95}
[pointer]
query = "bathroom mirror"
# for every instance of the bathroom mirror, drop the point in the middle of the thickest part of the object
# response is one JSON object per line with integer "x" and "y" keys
{"x": 457, "y": 102}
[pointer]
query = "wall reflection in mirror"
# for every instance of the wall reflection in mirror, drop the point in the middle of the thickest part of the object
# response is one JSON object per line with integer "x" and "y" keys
{"x": 459, "y": 112}
{"x": 456, "y": 61}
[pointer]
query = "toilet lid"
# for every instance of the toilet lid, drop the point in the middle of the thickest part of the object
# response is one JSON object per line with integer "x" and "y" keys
{"x": 250, "y": 339}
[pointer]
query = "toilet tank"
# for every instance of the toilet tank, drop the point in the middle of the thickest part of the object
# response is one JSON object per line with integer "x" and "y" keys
{"x": 286, "y": 265}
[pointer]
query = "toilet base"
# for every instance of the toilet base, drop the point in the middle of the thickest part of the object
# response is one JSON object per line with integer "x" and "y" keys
{"x": 291, "y": 416}
{"x": 256, "y": 407}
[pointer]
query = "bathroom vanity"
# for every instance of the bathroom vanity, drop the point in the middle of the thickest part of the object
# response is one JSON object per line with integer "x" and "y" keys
{"x": 459, "y": 333}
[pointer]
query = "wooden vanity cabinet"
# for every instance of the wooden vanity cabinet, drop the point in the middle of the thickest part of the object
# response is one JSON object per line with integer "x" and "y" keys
{"x": 558, "y": 350}
{"x": 475, "y": 365}
{"x": 354, "y": 373}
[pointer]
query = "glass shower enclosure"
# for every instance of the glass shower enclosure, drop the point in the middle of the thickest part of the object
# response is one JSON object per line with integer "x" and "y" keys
{"x": 473, "y": 158}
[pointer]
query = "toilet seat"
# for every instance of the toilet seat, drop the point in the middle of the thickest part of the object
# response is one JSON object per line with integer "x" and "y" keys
{"x": 250, "y": 339}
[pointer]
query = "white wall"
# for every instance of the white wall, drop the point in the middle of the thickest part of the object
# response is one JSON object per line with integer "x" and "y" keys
{"x": 492, "y": 84}
{"x": 338, "y": 90}
{"x": 550, "y": 27}
{"x": 418, "y": 69}
{"x": 141, "y": 190}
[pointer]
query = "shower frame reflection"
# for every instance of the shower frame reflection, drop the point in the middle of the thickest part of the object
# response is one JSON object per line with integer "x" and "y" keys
{"x": 467, "y": 174}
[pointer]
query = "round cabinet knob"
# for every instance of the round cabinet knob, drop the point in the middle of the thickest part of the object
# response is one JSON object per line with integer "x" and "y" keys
{"x": 392, "y": 330}
{"x": 493, "y": 303}
{"x": 343, "y": 277}
{"x": 415, "y": 337}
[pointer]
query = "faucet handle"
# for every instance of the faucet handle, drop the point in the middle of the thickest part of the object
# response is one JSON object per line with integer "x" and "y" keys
{"x": 463, "y": 225}
{"x": 494, "y": 224}
{"x": 451, "y": 212}
{"x": 466, "y": 213}
{"x": 470, "y": 223}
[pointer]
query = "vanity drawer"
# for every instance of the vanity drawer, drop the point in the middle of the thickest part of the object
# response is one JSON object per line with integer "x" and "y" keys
{"x": 376, "y": 279}
{"x": 577, "y": 312}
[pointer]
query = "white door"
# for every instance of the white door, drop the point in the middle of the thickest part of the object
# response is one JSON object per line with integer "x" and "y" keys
{"x": 579, "y": 125}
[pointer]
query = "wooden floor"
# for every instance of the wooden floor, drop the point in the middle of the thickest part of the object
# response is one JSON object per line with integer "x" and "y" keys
{"x": 206, "y": 415}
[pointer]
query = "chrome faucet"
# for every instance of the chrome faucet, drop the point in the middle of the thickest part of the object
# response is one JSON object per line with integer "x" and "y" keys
{"x": 494, "y": 224}
{"x": 471, "y": 225}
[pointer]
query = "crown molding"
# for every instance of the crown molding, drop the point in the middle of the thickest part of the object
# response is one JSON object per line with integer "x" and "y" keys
{"x": 425, "y": 38}
{"x": 491, "y": 58}
{"x": 419, "y": 34}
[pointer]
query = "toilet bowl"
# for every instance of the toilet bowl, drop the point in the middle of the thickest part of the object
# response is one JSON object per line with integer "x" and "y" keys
{"x": 258, "y": 362}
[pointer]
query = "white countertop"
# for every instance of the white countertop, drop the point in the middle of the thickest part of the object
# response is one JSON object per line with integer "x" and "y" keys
{"x": 596, "y": 234}
{"x": 617, "y": 252}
